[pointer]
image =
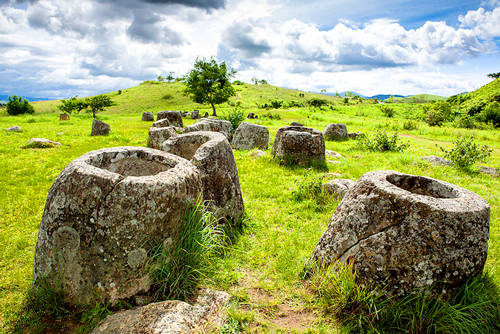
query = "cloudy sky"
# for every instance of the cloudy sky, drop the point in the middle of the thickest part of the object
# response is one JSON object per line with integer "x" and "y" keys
{"x": 61, "y": 48}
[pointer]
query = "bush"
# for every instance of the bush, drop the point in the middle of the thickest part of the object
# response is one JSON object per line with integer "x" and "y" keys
{"x": 387, "y": 111}
{"x": 490, "y": 114}
{"x": 465, "y": 152}
{"x": 270, "y": 116}
{"x": 235, "y": 116}
{"x": 434, "y": 118}
{"x": 465, "y": 122}
{"x": 18, "y": 106}
{"x": 381, "y": 143}
{"x": 315, "y": 102}
{"x": 410, "y": 124}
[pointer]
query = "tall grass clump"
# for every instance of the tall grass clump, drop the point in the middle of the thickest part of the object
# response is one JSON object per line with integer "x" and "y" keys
{"x": 381, "y": 143}
{"x": 474, "y": 309}
{"x": 176, "y": 270}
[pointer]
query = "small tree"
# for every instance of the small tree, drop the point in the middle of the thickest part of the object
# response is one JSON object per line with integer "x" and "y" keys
{"x": 18, "y": 105}
{"x": 160, "y": 78}
{"x": 494, "y": 75}
{"x": 98, "y": 103}
{"x": 72, "y": 105}
{"x": 209, "y": 83}
{"x": 170, "y": 76}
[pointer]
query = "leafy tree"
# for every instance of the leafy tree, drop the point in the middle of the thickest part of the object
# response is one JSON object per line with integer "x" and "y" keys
{"x": 72, "y": 105}
{"x": 255, "y": 81}
{"x": 18, "y": 105}
{"x": 209, "y": 83}
{"x": 98, "y": 103}
{"x": 263, "y": 82}
{"x": 160, "y": 78}
{"x": 494, "y": 75}
{"x": 170, "y": 76}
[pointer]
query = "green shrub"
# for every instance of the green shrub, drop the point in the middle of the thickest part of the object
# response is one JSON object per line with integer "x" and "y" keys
{"x": 315, "y": 102}
{"x": 464, "y": 122}
{"x": 465, "y": 152}
{"x": 387, "y": 111}
{"x": 381, "y": 143}
{"x": 490, "y": 114}
{"x": 235, "y": 116}
{"x": 17, "y": 105}
{"x": 410, "y": 124}
{"x": 270, "y": 116}
{"x": 434, "y": 118}
{"x": 167, "y": 96}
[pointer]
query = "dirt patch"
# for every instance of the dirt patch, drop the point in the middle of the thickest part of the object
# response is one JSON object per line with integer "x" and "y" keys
{"x": 288, "y": 318}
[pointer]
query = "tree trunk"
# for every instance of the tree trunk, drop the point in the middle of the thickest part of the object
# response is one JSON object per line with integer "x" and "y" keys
{"x": 213, "y": 107}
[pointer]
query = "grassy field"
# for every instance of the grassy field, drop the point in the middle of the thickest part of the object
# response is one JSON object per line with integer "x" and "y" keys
{"x": 262, "y": 271}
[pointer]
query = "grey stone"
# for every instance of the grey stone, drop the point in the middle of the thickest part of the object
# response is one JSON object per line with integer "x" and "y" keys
{"x": 258, "y": 154}
{"x": 299, "y": 145}
{"x": 212, "y": 154}
{"x": 248, "y": 136}
{"x": 162, "y": 123}
{"x": 210, "y": 124}
{"x": 435, "y": 160}
{"x": 103, "y": 213}
{"x": 251, "y": 116}
{"x": 404, "y": 232}
{"x": 490, "y": 170}
{"x": 296, "y": 124}
{"x": 333, "y": 154}
{"x": 174, "y": 117}
{"x": 156, "y": 136}
{"x": 169, "y": 317}
{"x": 339, "y": 187}
{"x": 148, "y": 116}
{"x": 195, "y": 114}
{"x": 354, "y": 135}
{"x": 335, "y": 132}
{"x": 41, "y": 142}
{"x": 99, "y": 128}
{"x": 15, "y": 128}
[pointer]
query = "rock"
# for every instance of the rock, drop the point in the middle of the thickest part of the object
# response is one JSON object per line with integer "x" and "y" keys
{"x": 148, "y": 116}
{"x": 296, "y": 124}
{"x": 63, "y": 117}
{"x": 186, "y": 114}
{"x": 157, "y": 136}
{"x": 299, "y": 145}
{"x": 248, "y": 136}
{"x": 435, "y": 160}
{"x": 195, "y": 114}
{"x": 339, "y": 187}
{"x": 174, "y": 117}
{"x": 333, "y": 174}
{"x": 333, "y": 162}
{"x": 99, "y": 128}
{"x": 162, "y": 123}
{"x": 210, "y": 124}
{"x": 490, "y": 170}
{"x": 206, "y": 114}
{"x": 103, "y": 214}
{"x": 258, "y": 154}
{"x": 212, "y": 154}
{"x": 15, "y": 128}
{"x": 354, "y": 135}
{"x": 333, "y": 154}
{"x": 404, "y": 232}
{"x": 335, "y": 132}
{"x": 168, "y": 317}
{"x": 41, "y": 143}
{"x": 251, "y": 116}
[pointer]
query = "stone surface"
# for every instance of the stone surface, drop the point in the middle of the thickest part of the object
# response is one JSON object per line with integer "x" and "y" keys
{"x": 405, "y": 232}
{"x": 212, "y": 154}
{"x": 103, "y": 213}
{"x": 41, "y": 142}
{"x": 299, "y": 145}
{"x": 335, "y": 132}
{"x": 435, "y": 160}
{"x": 15, "y": 128}
{"x": 148, "y": 116}
{"x": 490, "y": 170}
{"x": 248, "y": 136}
{"x": 195, "y": 114}
{"x": 258, "y": 154}
{"x": 162, "y": 123}
{"x": 156, "y": 136}
{"x": 63, "y": 117}
{"x": 354, "y": 135}
{"x": 99, "y": 128}
{"x": 339, "y": 187}
{"x": 333, "y": 154}
{"x": 296, "y": 124}
{"x": 210, "y": 124}
{"x": 168, "y": 317}
{"x": 174, "y": 117}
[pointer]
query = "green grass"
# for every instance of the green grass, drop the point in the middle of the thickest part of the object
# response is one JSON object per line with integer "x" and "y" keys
{"x": 263, "y": 269}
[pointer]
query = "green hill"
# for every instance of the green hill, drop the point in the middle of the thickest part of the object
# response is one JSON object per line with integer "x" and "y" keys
{"x": 477, "y": 100}
{"x": 420, "y": 98}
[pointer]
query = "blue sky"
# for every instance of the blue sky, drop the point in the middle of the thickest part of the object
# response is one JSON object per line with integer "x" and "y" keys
{"x": 58, "y": 49}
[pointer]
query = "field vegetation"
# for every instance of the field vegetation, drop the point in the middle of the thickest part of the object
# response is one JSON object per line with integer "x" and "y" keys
{"x": 264, "y": 268}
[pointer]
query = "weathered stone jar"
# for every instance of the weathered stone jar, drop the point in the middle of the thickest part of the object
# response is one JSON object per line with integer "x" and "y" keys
{"x": 299, "y": 144}
{"x": 403, "y": 232}
{"x": 103, "y": 212}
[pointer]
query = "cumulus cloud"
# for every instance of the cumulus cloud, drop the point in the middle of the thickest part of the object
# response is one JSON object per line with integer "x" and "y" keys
{"x": 484, "y": 24}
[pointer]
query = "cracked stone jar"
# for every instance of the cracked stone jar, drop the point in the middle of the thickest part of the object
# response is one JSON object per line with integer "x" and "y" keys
{"x": 405, "y": 232}
{"x": 103, "y": 213}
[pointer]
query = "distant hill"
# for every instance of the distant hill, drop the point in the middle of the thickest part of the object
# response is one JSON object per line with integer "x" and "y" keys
{"x": 5, "y": 98}
{"x": 478, "y": 99}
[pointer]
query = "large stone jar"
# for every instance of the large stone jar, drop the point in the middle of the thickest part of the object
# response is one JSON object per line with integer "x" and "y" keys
{"x": 103, "y": 213}
{"x": 403, "y": 232}
{"x": 299, "y": 145}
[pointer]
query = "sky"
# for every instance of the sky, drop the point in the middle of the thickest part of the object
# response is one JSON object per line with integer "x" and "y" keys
{"x": 63, "y": 48}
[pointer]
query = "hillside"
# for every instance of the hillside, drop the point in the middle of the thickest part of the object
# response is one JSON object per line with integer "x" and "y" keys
{"x": 480, "y": 98}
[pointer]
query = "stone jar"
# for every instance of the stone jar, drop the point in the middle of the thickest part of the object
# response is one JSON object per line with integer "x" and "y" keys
{"x": 210, "y": 124}
{"x": 299, "y": 144}
{"x": 103, "y": 213}
{"x": 174, "y": 117}
{"x": 248, "y": 136}
{"x": 404, "y": 232}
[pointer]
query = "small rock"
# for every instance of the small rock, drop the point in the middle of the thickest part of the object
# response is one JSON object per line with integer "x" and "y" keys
{"x": 354, "y": 135}
{"x": 215, "y": 125}
{"x": 63, "y": 117}
{"x": 333, "y": 154}
{"x": 258, "y": 154}
{"x": 195, "y": 114}
{"x": 99, "y": 128}
{"x": 14, "y": 128}
{"x": 490, "y": 170}
{"x": 60, "y": 133}
{"x": 41, "y": 143}
{"x": 296, "y": 124}
{"x": 339, "y": 187}
{"x": 435, "y": 160}
{"x": 148, "y": 116}
{"x": 162, "y": 123}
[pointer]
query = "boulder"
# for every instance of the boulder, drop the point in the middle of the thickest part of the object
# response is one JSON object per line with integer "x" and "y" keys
{"x": 296, "y": 124}
{"x": 99, "y": 128}
{"x": 41, "y": 143}
{"x": 210, "y": 124}
{"x": 335, "y": 132}
{"x": 212, "y": 154}
{"x": 495, "y": 172}
{"x": 63, "y": 117}
{"x": 103, "y": 213}
{"x": 162, "y": 123}
{"x": 405, "y": 232}
{"x": 354, "y": 135}
{"x": 248, "y": 136}
{"x": 258, "y": 154}
{"x": 299, "y": 145}
{"x": 148, "y": 116}
{"x": 435, "y": 160}
{"x": 333, "y": 154}
{"x": 156, "y": 136}
{"x": 174, "y": 117}
{"x": 339, "y": 187}
{"x": 195, "y": 114}
{"x": 168, "y": 317}
{"x": 15, "y": 128}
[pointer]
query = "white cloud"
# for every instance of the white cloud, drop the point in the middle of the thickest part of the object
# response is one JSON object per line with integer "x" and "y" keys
{"x": 484, "y": 24}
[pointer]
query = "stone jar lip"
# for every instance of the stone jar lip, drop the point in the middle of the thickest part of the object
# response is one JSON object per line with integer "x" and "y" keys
{"x": 437, "y": 193}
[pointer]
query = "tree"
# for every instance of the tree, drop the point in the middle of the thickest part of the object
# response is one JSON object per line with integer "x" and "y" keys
{"x": 170, "y": 76}
{"x": 18, "y": 105}
{"x": 72, "y": 105}
{"x": 98, "y": 103}
{"x": 494, "y": 75}
{"x": 263, "y": 82}
{"x": 209, "y": 83}
{"x": 160, "y": 78}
